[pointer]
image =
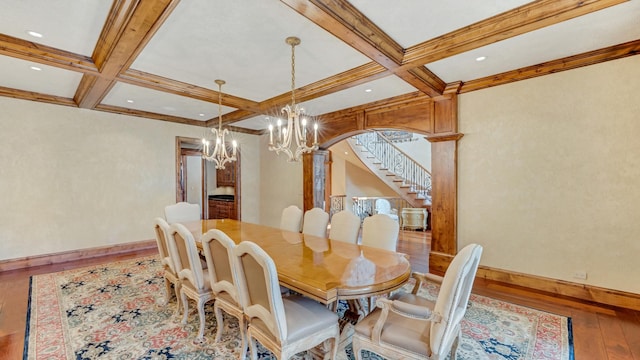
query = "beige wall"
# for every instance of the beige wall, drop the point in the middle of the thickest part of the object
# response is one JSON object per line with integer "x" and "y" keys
{"x": 281, "y": 185}
{"x": 73, "y": 178}
{"x": 549, "y": 174}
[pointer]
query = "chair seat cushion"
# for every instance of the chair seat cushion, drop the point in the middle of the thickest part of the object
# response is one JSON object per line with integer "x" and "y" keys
{"x": 188, "y": 284}
{"x": 400, "y": 331}
{"x": 305, "y": 316}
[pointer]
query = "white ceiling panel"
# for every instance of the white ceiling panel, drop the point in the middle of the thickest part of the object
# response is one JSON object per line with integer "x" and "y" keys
{"x": 71, "y": 25}
{"x": 384, "y": 88}
{"x": 162, "y": 103}
{"x": 410, "y": 22}
{"x": 17, "y": 74}
{"x": 243, "y": 42}
{"x": 586, "y": 33}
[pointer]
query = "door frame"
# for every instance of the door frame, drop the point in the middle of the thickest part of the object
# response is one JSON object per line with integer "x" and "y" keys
{"x": 182, "y": 152}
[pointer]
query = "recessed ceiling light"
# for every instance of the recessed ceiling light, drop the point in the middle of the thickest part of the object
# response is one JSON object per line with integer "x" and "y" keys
{"x": 368, "y": 90}
{"x": 481, "y": 58}
{"x": 201, "y": 114}
{"x": 130, "y": 101}
{"x": 346, "y": 153}
{"x": 35, "y": 68}
{"x": 34, "y": 34}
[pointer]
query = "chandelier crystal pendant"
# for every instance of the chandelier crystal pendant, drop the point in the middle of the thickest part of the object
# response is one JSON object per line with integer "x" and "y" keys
{"x": 219, "y": 156}
{"x": 297, "y": 122}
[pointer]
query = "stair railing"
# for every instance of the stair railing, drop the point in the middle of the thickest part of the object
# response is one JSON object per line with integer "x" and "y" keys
{"x": 397, "y": 162}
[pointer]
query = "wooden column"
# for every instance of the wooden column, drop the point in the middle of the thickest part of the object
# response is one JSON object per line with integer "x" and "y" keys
{"x": 444, "y": 174}
{"x": 316, "y": 186}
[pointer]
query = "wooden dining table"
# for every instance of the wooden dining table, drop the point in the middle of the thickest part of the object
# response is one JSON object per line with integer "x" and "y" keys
{"x": 320, "y": 268}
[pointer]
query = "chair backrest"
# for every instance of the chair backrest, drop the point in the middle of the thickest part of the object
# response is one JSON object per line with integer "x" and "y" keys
{"x": 315, "y": 222}
{"x": 218, "y": 251}
{"x": 161, "y": 228}
{"x": 383, "y": 206}
{"x": 291, "y": 219}
{"x": 259, "y": 288}
{"x": 345, "y": 226}
{"x": 380, "y": 231}
{"x": 453, "y": 298}
{"x": 187, "y": 259}
{"x": 182, "y": 212}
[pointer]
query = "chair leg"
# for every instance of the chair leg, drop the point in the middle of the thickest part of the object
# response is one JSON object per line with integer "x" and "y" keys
{"x": 334, "y": 348}
{"x": 219, "y": 321}
{"x": 454, "y": 347}
{"x": 177, "y": 287}
{"x": 167, "y": 288}
{"x": 254, "y": 348}
{"x": 243, "y": 335}
{"x": 201, "y": 303}
{"x": 185, "y": 304}
{"x": 357, "y": 351}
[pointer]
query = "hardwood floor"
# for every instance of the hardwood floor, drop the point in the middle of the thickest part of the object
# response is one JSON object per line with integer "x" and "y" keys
{"x": 599, "y": 332}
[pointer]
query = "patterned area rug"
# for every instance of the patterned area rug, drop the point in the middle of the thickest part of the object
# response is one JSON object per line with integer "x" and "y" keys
{"x": 117, "y": 311}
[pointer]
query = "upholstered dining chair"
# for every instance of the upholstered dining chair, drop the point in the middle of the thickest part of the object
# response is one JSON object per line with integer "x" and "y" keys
{"x": 285, "y": 326}
{"x": 380, "y": 231}
{"x": 345, "y": 226}
{"x": 218, "y": 251}
{"x": 191, "y": 273}
{"x": 384, "y": 207}
{"x": 168, "y": 264}
{"x": 408, "y": 326}
{"x": 182, "y": 212}
{"x": 291, "y": 219}
{"x": 315, "y": 222}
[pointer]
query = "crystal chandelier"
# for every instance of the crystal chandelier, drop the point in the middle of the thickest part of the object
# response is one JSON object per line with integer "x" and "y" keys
{"x": 219, "y": 156}
{"x": 297, "y": 122}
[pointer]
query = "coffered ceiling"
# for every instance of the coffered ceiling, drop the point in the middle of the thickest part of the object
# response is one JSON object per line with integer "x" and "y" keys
{"x": 159, "y": 58}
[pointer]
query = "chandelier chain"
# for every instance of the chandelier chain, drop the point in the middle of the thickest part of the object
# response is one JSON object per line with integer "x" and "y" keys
{"x": 220, "y": 105}
{"x": 293, "y": 74}
{"x": 293, "y": 136}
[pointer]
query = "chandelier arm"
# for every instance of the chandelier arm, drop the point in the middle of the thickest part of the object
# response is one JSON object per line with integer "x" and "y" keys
{"x": 219, "y": 156}
{"x": 296, "y": 122}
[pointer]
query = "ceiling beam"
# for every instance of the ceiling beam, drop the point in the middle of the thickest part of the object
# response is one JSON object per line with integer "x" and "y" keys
{"x": 572, "y": 62}
{"x": 46, "y": 55}
{"x": 148, "y": 115}
{"x": 129, "y": 27}
{"x": 344, "y": 21}
{"x": 34, "y": 96}
{"x": 155, "y": 82}
{"x": 526, "y": 18}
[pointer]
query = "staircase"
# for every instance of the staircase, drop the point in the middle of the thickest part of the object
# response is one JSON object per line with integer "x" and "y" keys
{"x": 395, "y": 168}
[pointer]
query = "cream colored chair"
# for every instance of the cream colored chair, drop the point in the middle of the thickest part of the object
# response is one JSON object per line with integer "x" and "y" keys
{"x": 182, "y": 212}
{"x": 218, "y": 250}
{"x": 345, "y": 226}
{"x": 380, "y": 231}
{"x": 170, "y": 274}
{"x": 315, "y": 222}
{"x": 384, "y": 207}
{"x": 285, "y": 326}
{"x": 191, "y": 273}
{"x": 407, "y": 326}
{"x": 291, "y": 219}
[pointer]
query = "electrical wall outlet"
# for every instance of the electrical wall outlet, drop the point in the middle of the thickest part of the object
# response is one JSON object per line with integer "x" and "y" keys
{"x": 580, "y": 274}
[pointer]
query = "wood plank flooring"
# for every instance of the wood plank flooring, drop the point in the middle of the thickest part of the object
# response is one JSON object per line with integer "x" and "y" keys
{"x": 600, "y": 332}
